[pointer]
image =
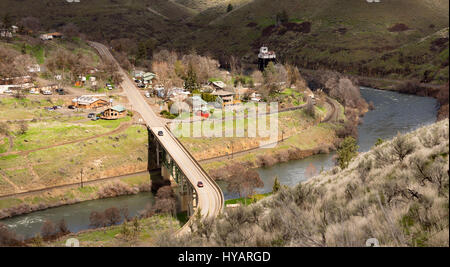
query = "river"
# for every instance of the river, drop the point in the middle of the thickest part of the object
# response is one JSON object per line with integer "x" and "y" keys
{"x": 393, "y": 113}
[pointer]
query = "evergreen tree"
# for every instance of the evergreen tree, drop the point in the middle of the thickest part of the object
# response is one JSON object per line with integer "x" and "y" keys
{"x": 190, "y": 80}
{"x": 379, "y": 142}
{"x": 346, "y": 152}
{"x": 229, "y": 8}
{"x": 282, "y": 17}
{"x": 276, "y": 185}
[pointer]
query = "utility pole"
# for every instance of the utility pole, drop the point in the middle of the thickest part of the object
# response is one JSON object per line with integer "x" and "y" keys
{"x": 81, "y": 177}
{"x": 231, "y": 149}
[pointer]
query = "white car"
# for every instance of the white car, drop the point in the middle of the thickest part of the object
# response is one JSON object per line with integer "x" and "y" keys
{"x": 46, "y": 92}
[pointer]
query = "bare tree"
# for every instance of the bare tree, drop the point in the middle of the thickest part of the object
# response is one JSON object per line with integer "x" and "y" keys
{"x": 97, "y": 219}
{"x": 48, "y": 229}
{"x": 112, "y": 216}
{"x": 8, "y": 237}
{"x": 62, "y": 227}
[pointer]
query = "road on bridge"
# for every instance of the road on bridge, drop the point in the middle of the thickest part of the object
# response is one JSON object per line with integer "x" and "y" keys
{"x": 210, "y": 197}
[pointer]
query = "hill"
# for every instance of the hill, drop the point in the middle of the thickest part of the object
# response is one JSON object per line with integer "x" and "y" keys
{"x": 349, "y": 36}
{"x": 398, "y": 193}
{"x": 399, "y": 39}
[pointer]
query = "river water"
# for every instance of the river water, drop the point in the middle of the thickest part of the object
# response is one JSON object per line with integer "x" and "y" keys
{"x": 393, "y": 113}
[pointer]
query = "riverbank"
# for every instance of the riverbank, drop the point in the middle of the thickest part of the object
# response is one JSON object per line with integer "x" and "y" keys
{"x": 438, "y": 92}
{"x": 139, "y": 233}
{"x": 36, "y": 201}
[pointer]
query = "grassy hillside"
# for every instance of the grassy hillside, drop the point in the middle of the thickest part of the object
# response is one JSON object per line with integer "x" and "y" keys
{"x": 101, "y": 19}
{"x": 398, "y": 193}
{"x": 353, "y": 36}
{"x": 396, "y": 38}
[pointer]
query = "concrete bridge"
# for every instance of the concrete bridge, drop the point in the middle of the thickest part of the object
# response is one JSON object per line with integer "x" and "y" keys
{"x": 175, "y": 161}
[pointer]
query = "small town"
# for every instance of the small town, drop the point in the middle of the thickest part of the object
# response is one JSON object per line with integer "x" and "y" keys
{"x": 228, "y": 123}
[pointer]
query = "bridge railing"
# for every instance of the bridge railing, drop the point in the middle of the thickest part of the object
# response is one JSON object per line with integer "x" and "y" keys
{"x": 197, "y": 164}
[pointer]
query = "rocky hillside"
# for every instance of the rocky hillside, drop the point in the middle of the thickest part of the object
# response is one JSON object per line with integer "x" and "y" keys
{"x": 398, "y": 193}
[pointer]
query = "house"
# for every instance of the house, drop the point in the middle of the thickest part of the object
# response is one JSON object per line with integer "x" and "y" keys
{"x": 226, "y": 98}
{"x": 4, "y": 89}
{"x": 137, "y": 74}
{"x": 5, "y": 33}
{"x": 48, "y": 89}
{"x": 240, "y": 92}
{"x": 16, "y": 80}
{"x": 34, "y": 68}
{"x": 196, "y": 103}
{"x": 255, "y": 97}
{"x": 89, "y": 102}
{"x": 114, "y": 113}
{"x": 179, "y": 107}
{"x": 264, "y": 57}
{"x": 148, "y": 76}
{"x": 160, "y": 91}
{"x": 50, "y": 36}
{"x": 14, "y": 29}
{"x": 219, "y": 85}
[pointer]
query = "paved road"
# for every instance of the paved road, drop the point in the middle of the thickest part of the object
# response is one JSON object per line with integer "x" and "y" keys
{"x": 210, "y": 197}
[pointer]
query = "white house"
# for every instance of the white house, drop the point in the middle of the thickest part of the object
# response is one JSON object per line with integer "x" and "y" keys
{"x": 34, "y": 68}
{"x": 46, "y": 37}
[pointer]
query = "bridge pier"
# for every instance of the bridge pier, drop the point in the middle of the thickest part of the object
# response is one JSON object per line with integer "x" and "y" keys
{"x": 187, "y": 199}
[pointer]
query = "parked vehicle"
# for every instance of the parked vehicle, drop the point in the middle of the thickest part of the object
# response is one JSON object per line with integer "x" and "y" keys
{"x": 95, "y": 118}
{"x": 49, "y": 108}
{"x": 46, "y": 92}
{"x": 60, "y": 91}
{"x": 71, "y": 107}
{"x": 147, "y": 94}
{"x": 91, "y": 115}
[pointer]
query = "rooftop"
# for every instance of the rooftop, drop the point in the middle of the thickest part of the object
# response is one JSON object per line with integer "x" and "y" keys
{"x": 118, "y": 108}
{"x": 223, "y": 93}
{"x": 85, "y": 100}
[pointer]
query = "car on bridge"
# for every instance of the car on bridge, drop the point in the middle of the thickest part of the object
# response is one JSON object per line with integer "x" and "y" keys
{"x": 200, "y": 184}
{"x": 160, "y": 133}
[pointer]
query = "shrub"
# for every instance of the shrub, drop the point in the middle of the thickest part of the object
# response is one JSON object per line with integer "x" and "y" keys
{"x": 346, "y": 152}
{"x": 112, "y": 216}
{"x": 402, "y": 147}
{"x": 48, "y": 229}
{"x": 8, "y": 237}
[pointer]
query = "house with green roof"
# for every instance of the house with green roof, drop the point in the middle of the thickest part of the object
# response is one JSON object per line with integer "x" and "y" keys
{"x": 114, "y": 113}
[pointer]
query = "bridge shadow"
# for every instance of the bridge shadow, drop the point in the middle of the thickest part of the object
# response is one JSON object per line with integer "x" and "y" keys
{"x": 157, "y": 181}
